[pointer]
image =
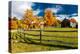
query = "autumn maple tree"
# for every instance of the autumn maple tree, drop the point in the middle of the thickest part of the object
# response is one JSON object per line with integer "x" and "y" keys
{"x": 50, "y": 18}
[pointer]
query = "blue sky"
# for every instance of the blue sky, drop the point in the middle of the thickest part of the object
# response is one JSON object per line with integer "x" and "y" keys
{"x": 60, "y": 10}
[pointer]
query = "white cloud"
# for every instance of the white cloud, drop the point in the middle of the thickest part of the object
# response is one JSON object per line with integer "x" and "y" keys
{"x": 36, "y": 12}
{"x": 74, "y": 14}
{"x": 56, "y": 9}
{"x": 18, "y": 8}
{"x": 61, "y": 17}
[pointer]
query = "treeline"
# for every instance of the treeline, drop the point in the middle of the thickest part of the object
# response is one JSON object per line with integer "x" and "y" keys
{"x": 30, "y": 21}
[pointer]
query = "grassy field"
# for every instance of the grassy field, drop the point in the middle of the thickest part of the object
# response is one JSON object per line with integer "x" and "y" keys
{"x": 29, "y": 41}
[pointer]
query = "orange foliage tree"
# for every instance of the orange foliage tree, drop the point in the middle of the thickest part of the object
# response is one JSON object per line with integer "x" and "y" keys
{"x": 50, "y": 18}
{"x": 13, "y": 23}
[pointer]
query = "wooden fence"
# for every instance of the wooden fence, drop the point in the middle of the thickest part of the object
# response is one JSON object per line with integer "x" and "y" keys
{"x": 22, "y": 35}
{"x": 23, "y": 32}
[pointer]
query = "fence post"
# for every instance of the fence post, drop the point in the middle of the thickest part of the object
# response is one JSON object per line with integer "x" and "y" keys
{"x": 40, "y": 35}
{"x": 41, "y": 29}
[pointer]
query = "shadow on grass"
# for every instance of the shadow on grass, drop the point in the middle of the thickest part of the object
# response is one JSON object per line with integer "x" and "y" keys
{"x": 30, "y": 41}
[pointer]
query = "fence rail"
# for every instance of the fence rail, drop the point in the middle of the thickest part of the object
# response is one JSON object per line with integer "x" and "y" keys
{"x": 45, "y": 35}
{"x": 51, "y": 36}
{"x": 40, "y": 35}
{"x": 54, "y": 30}
{"x": 54, "y": 41}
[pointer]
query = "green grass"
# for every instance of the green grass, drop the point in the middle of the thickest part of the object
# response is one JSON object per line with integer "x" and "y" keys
{"x": 61, "y": 40}
{"x": 59, "y": 29}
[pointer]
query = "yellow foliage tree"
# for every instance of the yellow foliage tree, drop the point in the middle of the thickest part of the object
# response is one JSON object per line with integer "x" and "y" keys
{"x": 29, "y": 18}
{"x": 50, "y": 18}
